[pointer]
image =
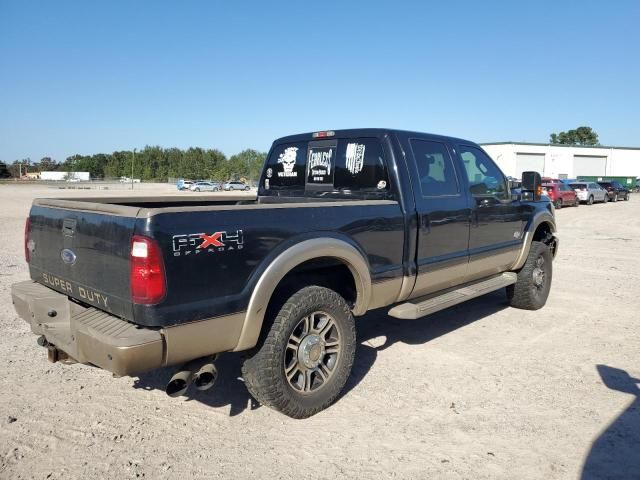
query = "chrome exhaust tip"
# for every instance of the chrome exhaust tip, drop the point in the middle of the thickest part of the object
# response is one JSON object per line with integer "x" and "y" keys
{"x": 179, "y": 383}
{"x": 206, "y": 377}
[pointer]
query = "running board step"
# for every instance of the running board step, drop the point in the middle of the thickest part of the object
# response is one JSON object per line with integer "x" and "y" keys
{"x": 411, "y": 311}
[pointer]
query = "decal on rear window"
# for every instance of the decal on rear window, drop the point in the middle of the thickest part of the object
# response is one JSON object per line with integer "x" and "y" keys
{"x": 320, "y": 165}
{"x": 288, "y": 161}
{"x": 355, "y": 157}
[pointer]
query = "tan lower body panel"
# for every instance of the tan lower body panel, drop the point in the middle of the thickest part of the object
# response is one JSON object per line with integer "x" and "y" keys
{"x": 198, "y": 339}
{"x": 492, "y": 263}
{"x": 436, "y": 279}
{"x": 92, "y": 336}
{"x": 385, "y": 292}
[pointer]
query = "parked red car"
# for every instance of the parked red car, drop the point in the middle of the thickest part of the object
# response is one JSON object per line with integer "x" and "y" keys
{"x": 550, "y": 180}
{"x": 561, "y": 194}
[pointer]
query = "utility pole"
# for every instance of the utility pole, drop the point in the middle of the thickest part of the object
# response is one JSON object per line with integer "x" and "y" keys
{"x": 132, "y": 161}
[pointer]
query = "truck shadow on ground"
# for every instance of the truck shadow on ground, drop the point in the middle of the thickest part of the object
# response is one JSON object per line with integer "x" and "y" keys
{"x": 616, "y": 452}
{"x": 230, "y": 390}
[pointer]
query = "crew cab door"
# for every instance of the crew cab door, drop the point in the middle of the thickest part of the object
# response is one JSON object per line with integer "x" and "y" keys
{"x": 496, "y": 229}
{"x": 443, "y": 216}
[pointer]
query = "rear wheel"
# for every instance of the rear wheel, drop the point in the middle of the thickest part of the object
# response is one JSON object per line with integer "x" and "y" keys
{"x": 615, "y": 197}
{"x": 626, "y": 197}
{"x": 531, "y": 290}
{"x": 577, "y": 202}
{"x": 197, "y": 189}
{"x": 558, "y": 204}
{"x": 590, "y": 201}
{"x": 302, "y": 365}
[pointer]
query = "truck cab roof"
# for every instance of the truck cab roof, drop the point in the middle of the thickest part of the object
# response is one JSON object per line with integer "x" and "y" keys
{"x": 367, "y": 132}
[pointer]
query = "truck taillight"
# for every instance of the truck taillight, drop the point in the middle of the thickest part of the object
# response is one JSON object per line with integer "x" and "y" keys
{"x": 27, "y": 227}
{"x": 148, "y": 285}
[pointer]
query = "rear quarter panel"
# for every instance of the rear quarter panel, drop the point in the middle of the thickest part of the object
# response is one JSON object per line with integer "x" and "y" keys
{"x": 219, "y": 280}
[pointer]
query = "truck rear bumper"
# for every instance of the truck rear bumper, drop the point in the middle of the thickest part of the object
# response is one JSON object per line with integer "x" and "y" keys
{"x": 91, "y": 336}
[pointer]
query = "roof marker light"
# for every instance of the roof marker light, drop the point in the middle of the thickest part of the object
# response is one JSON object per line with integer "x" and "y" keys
{"x": 328, "y": 133}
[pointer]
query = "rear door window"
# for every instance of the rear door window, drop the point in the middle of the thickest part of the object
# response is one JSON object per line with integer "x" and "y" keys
{"x": 435, "y": 167}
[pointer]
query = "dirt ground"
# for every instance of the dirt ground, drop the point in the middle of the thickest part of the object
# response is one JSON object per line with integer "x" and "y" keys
{"x": 478, "y": 391}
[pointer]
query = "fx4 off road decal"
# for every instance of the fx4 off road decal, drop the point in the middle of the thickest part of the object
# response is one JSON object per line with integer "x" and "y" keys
{"x": 196, "y": 243}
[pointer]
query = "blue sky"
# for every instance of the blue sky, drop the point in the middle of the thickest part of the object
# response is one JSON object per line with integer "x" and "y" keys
{"x": 87, "y": 77}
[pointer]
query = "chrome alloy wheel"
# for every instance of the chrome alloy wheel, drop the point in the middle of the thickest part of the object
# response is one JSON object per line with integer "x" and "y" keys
{"x": 312, "y": 353}
{"x": 539, "y": 273}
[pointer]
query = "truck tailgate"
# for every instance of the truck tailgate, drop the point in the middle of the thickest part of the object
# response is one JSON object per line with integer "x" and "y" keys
{"x": 83, "y": 254}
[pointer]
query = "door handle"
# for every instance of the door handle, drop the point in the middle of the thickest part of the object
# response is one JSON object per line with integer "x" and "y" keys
{"x": 487, "y": 202}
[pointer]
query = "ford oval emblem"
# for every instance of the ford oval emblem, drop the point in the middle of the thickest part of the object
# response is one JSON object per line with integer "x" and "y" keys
{"x": 68, "y": 256}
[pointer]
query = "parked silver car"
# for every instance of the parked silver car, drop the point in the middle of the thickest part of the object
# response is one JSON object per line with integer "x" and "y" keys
{"x": 205, "y": 187}
{"x": 236, "y": 186}
{"x": 589, "y": 192}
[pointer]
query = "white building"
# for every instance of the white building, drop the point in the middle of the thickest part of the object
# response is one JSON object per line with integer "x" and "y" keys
{"x": 565, "y": 161}
{"x": 71, "y": 176}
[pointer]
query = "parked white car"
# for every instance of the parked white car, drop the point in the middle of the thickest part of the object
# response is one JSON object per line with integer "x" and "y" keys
{"x": 205, "y": 187}
{"x": 589, "y": 192}
{"x": 128, "y": 180}
{"x": 184, "y": 184}
{"x": 236, "y": 186}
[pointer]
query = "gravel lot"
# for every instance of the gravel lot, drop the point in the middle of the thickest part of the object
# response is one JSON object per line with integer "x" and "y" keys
{"x": 477, "y": 391}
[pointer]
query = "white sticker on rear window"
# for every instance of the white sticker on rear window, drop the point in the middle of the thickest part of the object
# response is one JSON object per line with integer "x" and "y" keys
{"x": 355, "y": 157}
{"x": 319, "y": 165}
{"x": 288, "y": 161}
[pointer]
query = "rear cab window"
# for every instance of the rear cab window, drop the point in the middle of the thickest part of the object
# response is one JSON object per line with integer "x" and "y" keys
{"x": 335, "y": 166}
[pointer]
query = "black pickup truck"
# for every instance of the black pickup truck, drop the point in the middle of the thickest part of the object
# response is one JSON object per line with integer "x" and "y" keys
{"x": 344, "y": 222}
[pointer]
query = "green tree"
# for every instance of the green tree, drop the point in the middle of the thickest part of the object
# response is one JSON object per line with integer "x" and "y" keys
{"x": 173, "y": 157}
{"x": 19, "y": 166}
{"x": 116, "y": 165}
{"x": 578, "y": 136}
{"x": 4, "y": 171}
{"x": 158, "y": 164}
{"x": 247, "y": 164}
{"x": 151, "y": 161}
{"x": 214, "y": 159}
{"x": 46, "y": 164}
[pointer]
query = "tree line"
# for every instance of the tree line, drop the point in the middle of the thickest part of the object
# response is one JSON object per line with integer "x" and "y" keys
{"x": 152, "y": 163}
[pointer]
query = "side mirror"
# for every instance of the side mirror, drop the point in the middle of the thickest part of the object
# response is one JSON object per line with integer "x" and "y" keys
{"x": 531, "y": 186}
